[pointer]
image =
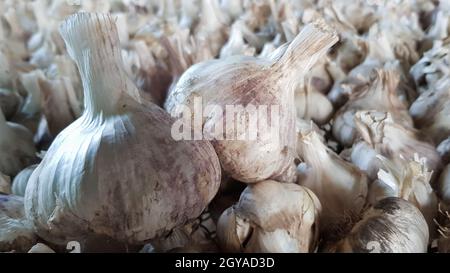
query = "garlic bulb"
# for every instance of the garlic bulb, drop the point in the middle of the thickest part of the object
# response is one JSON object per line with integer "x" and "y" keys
{"x": 393, "y": 225}
{"x": 340, "y": 186}
{"x": 5, "y": 184}
{"x": 390, "y": 139}
{"x": 312, "y": 105}
{"x": 431, "y": 111}
{"x": 16, "y": 232}
{"x": 234, "y": 8}
{"x": 444, "y": 150}
{"x": 116, "y": 171}
{"x": 21, "y": 180}
{"x": 16, "y": 147}
{"x": 380, "y": 95}
{"x": 40, "y": 248}
{"x": 409, "y": 180}
{"x": 271, "y": 217}
{"x": 9, "y": 102}
{"x": 244, "y": 81}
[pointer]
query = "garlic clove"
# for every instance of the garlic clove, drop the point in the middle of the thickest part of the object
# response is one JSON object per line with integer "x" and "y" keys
{"x": 16, "y": 232}
{"x": 271, "y": 217}
{"x": 393, "y": 225}
{"x": 271, "y": 84}
{"x": 21, "y": 180}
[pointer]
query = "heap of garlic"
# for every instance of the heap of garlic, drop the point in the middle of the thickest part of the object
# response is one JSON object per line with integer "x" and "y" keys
{"x": 116, "y": 171}
{"x": 271, "y": 217}
{"x": 244, "y": 81}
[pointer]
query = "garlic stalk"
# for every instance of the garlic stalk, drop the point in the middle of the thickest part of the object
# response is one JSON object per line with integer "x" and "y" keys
{"x": 271, "y": 217}
{"x": 393, "y": 225}
{"x": 21, "y": 180}
{"x": 116, "y": 171}
{"x": 236, "y": 44}
{"x": 9, "y": 102}
{"x": 17, "y": 149}
{"x": 16, "y": 232}
{"x": 409, "y": 180}
{"x": 260, "y": 82}
{"x": 390, "y": 139}
{"x": 380, "y": 95}
{"x": 30, "y": 113}
{"x": 341, "y": 187}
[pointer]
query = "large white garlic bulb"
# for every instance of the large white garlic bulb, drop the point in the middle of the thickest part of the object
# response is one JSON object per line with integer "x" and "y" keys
{"x": 271, "y": 217}
{"x": 21, "y": 180}
{"x": 116, "y": 171}
{"x": 247, "y": 81}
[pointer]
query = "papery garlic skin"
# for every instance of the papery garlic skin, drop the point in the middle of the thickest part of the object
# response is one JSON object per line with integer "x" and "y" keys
{"x": 444, "y": 150}
{"x": 20, "y": 182}
{"x": 41, "y": 248}
{"x": 271, "y": 217}
{"x": 17, "y": 149}
{"x": 16, "y": 232}
{"x": 393, "y": 225}
{"x": 365, "y": 158}
{"x": 340, "y": 186}
{"x": 312, "y": 105}
{"x": 116, "y": 171}
{"x": 242, "y": 81}
{"x": 444, "y": 185}
{"x": 9, "y": 102}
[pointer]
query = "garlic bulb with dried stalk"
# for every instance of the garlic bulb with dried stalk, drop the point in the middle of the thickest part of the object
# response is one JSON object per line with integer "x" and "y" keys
{"x": 444, "y": 150}
{"x": 312, "y": 104}
{"x": 248, "y": 81}
{"x": 431, "y": 111}
{"x": 9, "y": 102}
{"x": 116, "y": 171}
{"x": 390, "y": 139}
{"x": 20, "y": 182}
{"x": 16, "y": 232}
{"x": 17, "y": 149}
{"x": 340, "y": 186}
{"x": 212, "y": 26}
{"x": 380, "y": 95}
{"x": 271, "y": 217}
{"x": 409, "y": 180}
{"x": 393, "y": 225}
{"x": 236, "y": 44}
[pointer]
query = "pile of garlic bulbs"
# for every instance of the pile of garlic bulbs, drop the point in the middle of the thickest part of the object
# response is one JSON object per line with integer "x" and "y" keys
{"x": 92, "y": 92}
